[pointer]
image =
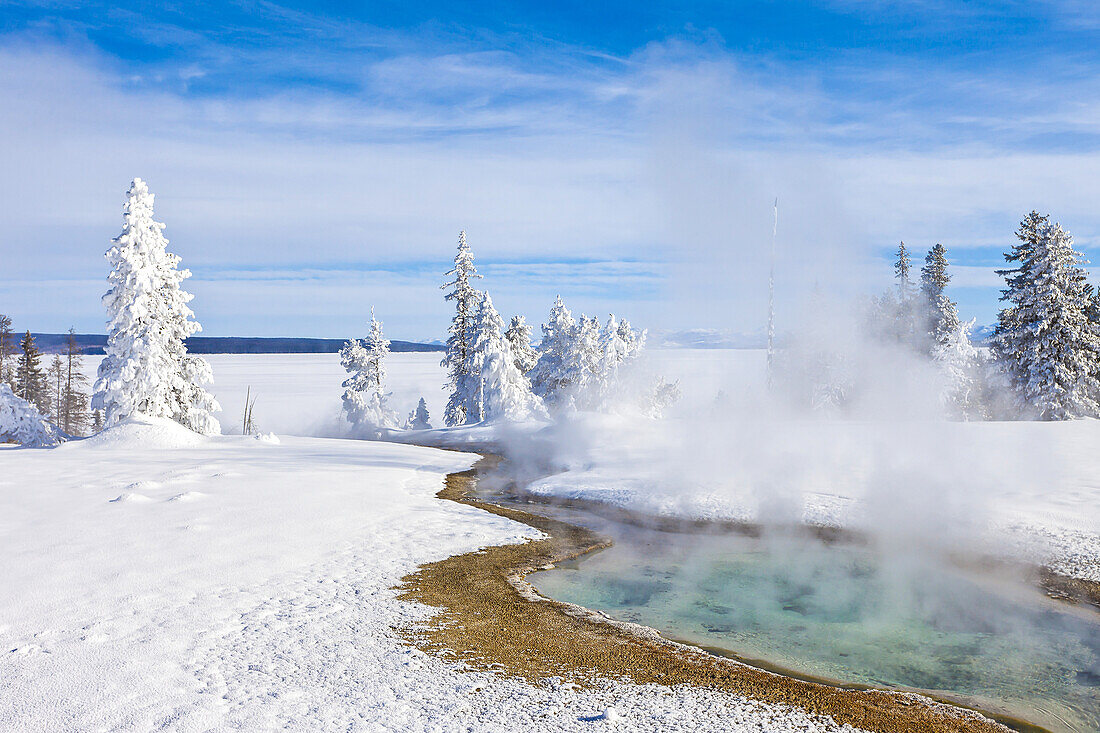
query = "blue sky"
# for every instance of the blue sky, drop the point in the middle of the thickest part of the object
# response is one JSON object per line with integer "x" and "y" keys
{"x": 311, "y": 160}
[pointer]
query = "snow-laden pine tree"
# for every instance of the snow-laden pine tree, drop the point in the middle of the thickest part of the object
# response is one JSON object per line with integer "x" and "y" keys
{"x": 576, "y": 380}
{"x": 146, "y": 368}
{"x": 902, "y": 267}
{"x": 419, "y": 419}
{"x": 74, "y": 401}
{"x": 941, "y": 316}
{"x": 633, "y": 340}
{"x": 7, "y": 351}
{"x": 959, "y": 365}
{"x": 462, "y": 384}
{"x": 21, "y": 422}
{"x": 365, "y": 398}
{"x": 907, "y": 313}
{"x": 1044, "y": 341}
{"x": 30, "y": 379}
{"x": 548, "y": 374}
{"x": 504, "y": 391}
{"x": 519, "y": 338}
{"x": 55, "y": 379}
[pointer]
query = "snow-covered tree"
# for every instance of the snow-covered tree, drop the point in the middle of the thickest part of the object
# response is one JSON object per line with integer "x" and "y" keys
{"x": 902, "y": 267}
{"x": 7, "y": 351}
{"x": 616, "y": 344}
{"x": 633, "y": 340}
{"x": 74, "y": 400}
{"x": 959, "y": 363}
{"x": 519, "y": 338}
{"x": 463, "y": 385}
{"x": 30, "y": 379}
{"x": 365, "y": 398}
{"x": 582, "y": 363}
{"x": 55, "y": 380}
{"x": 548, "y": 375}
{"x": 21, "y": 422}
{"x": 941, "y": 316}
{"x": 146, "y": 368}
{"x": 419, "y": 419}
{"x": 1044, "y": 341}
{"x": 504, "y": 391}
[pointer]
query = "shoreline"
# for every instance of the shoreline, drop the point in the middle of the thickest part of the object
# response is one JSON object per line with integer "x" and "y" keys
{"x": 491, "y": 619}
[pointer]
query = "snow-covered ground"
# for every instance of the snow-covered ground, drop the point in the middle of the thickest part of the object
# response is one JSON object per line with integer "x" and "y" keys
{"x": 153, "y": 579}
{"x": 1026, "y": 487}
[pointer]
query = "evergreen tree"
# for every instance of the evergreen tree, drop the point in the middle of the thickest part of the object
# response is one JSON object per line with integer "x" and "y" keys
{"x": 97, "y": 421}
{"x": 634, "y": 341}
{"x": 22, "y": 422}
{"x": 365, "y": 398}
{"x": 30, "y": 380}
{"x": 519, "y": 338}
{"x": 941, "y": 316}
{"x": 419, "y": 419}
{"x": 1044, "y": 341}
{"x": 906, "y": 314}
{"x": 146, "y": 368}
{"x": 463, "y": 384}
{"x": 55, "y": 387}
{"x": 504, "y": 391}
{"x": 548, "y": 377}
{"x": 74, "y": 402}
{"x": 7, "y": 351}
{"x": 959, "y": 364}
{"x": 902, "y": 266}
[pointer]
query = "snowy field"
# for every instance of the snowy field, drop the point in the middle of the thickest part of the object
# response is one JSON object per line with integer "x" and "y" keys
{"x": 154, "y": 579}
{"x": 1013, "y": 487}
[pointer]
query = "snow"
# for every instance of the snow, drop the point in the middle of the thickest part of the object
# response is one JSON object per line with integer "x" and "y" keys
{"x": 1032, "y": 484}
{"x": 21, "y": 422}
{"x": 154, "y": 580}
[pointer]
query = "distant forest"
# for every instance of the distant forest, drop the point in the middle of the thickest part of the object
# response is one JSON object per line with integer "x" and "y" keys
{"x": 54, "y": 343}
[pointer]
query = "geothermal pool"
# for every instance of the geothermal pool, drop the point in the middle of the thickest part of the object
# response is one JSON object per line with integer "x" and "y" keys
{"x": 852, "y": 615}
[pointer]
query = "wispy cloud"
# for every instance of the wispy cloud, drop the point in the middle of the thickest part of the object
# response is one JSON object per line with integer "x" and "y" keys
{"x": 306, "y": 163}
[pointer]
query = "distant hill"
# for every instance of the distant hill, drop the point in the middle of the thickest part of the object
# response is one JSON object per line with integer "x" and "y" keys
{"x": 92, "y": 343}
{"x": 980, "y": 335}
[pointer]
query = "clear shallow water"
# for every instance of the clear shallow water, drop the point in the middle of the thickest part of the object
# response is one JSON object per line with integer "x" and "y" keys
{"x": 851, "y": 615}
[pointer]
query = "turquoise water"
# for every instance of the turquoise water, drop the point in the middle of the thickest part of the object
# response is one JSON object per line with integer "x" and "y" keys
{"x": 852, "y": 615}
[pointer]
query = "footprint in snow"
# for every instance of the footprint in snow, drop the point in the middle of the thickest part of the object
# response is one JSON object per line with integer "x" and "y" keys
{"x": 130, "y": 497}
{"x": 188, "y": 496}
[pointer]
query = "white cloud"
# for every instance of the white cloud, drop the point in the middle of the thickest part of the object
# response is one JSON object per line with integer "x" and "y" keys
{"x": 298, "y": 211}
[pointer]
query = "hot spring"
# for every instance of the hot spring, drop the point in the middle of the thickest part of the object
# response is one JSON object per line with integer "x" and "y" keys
{"x": 849, "y": 614}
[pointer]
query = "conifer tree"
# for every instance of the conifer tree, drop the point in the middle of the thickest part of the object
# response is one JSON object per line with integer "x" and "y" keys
{"x": 74, "y": 402}
{"x": 22, "y": 422}
{"x": 1044, "y": 341}
{"x": 365, "y": 399}
{"x": 55, "y": 387}
{"x": 941, "y": 316}
{"x": 7, "y": 351}
{"x": 902, "y": 266}
{"x": 958, "y": 362}
{"x": 419, "y": 419}
{"x": 30, "y": 379}
{"x": 504, "y": 392}
{"x": 463, "y": 384}
{"x": 519, "y": 338}
{"x": 906, "y": 315}
{"x": 549, "y": 374}
{"x": 146, "y": 368}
